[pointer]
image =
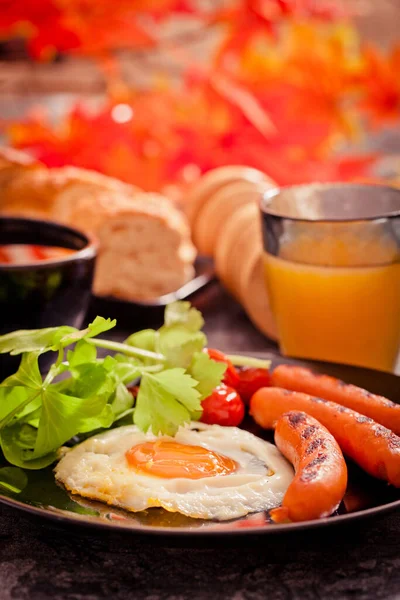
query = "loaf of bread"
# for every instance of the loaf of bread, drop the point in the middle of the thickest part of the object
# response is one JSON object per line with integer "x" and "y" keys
{"x": 145, "y": 249}
{"x": 254, "y": 295}
{"x": 224, "y": 212}
{"x": 240, "y": 232}
{"x": 203, "y": 189}
{"x": 213, "y": 216}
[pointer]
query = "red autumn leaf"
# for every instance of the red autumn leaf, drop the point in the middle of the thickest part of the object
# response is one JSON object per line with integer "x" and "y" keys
{"x": 381, "y": 85}
{"x": 42, "y": 23}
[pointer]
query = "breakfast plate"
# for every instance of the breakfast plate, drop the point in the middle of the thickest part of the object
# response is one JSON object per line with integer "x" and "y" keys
{"x": 366, "y": 496}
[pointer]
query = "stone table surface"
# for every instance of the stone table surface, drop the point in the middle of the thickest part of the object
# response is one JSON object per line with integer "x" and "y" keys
{"x": 40, "y": 562}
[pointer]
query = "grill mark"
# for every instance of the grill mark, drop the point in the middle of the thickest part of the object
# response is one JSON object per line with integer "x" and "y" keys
{"x": 296, "y": 418}
{"x": 381, "y": 431}
{"x": 314, "y": 445}
{"x": 394, "y": 442}
{"x": 366, "y": 393}
{"x": 320, "y": 400}
{"x": 307, "y": 476}
{"x": 318, "y": 460}
{"x": 390, "y": 403}
{"x": 362, "y": 419}
{"x": 308, "y": 431}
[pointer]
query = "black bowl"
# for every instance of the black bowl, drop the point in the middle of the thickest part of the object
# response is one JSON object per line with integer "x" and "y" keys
{"x": 46, "y": 293}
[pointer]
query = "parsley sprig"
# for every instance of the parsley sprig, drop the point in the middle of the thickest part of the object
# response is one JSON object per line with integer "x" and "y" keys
{"x": 82, "y": 392}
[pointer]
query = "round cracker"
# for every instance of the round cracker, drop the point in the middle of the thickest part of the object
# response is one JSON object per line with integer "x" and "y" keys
{"x": 254, "y": 295}
{"x": 214, "y": 180}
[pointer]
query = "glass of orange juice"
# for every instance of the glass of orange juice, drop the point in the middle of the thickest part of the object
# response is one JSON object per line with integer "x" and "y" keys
{"x": 332, "y": 268}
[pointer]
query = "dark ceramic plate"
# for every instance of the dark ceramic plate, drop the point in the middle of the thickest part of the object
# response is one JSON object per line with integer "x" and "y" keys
{"x": 152, "y": 311}
{"x": 366, "y": 497}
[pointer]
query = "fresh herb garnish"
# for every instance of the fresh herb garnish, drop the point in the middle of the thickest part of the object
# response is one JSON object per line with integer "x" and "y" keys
{"x": 82, "y": 393}
{"x": 39, "y": 414}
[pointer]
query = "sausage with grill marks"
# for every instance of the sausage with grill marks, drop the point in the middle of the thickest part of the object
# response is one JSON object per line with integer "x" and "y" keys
{"x": 300, "y": 379}
{"x": 374, "y": 447}
{"x": 321, "y": 472}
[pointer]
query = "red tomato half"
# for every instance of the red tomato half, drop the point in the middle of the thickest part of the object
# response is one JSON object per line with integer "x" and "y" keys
{"x": 223, "y": 407}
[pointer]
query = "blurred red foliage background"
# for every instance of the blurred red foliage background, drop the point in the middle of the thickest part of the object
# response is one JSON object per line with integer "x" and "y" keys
{"x": 288, "y": 85}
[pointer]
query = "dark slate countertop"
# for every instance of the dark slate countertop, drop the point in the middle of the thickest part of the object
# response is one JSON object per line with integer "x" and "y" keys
{"x": 40, "y": 562}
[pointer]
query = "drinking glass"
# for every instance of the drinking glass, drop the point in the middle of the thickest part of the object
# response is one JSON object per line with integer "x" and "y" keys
{"x": 332, "y": 268}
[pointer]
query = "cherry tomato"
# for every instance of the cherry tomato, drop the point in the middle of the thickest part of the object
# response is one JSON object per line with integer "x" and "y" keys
{"x": 223, "y": 407}
{"x": 134, "y": 390}
{"x": 231, "y": 376}
{"x": 252, "y": 379}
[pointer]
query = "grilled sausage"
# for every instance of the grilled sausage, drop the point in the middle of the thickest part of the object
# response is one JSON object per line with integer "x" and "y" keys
{"x": 378, "y": 408}
{"x": 374, "y": 447}
{"x": 321, "y": 472}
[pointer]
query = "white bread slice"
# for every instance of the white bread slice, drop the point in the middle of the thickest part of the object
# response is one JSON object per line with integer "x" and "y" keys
{"x": 213, "y": 181}
{"x": 254, "y": 294}
{"x": 211, "y": 219}
{"x": 145, "y": 248}
{"x": 144, "y": 253}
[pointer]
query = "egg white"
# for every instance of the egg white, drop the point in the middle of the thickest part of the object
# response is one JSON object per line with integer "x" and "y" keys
{"x": 98, "y": 469}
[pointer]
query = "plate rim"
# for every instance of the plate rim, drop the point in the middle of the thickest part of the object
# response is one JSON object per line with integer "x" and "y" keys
{"x": 93, "y": 523}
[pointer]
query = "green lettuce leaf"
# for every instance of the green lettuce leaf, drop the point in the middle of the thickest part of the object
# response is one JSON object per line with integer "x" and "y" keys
{"x": 33, "y": 340}
{"x": 182, "y": 313}
{"x": 145, "y": 339}
{"x": 82, "y": 353}
{"x": 122, "y": 401}
{"x": 179, "y": 345}
{"x": 98, "y": 326}
{"x": 63, "y": 417}
{"x": 103, "y": 421}
{"x": 165, "y": 401}
{"x": 122, "y": 368}
{"x": 207, "y": 372}
{"x": 28, "y": 373}
{"x": 17, "y": 443}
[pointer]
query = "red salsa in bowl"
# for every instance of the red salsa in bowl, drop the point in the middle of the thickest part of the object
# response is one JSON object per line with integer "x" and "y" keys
{"x": 22, "y": 254}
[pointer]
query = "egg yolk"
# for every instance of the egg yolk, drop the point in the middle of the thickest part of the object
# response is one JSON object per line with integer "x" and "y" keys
{"x": 171, "y": 459}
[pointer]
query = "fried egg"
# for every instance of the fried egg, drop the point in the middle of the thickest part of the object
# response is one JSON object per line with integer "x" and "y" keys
{"x": 205, "y": 471}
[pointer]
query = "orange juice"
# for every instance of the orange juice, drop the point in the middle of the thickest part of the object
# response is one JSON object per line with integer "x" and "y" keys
{"x": 345, "y": 308}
